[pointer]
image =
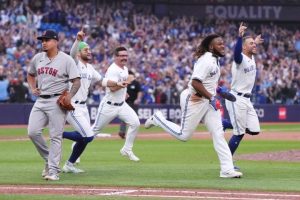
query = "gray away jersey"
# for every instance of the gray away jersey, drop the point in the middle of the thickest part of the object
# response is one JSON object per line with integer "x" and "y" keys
{"x": 53, "y": 75}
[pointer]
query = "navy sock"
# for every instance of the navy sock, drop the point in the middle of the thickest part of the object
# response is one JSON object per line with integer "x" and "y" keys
{"x": 74, "y": 135}
{"x": 79, "y": 148}
{"x": 123, "y": 127}
{"x": 226, "y": 124}
{"x": 234, "y": 142}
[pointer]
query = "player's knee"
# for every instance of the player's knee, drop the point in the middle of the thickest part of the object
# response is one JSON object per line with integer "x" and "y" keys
{"x": 252, "y": 132}
{"x": 135, "y": 124}
{"x": 88, "y": 139}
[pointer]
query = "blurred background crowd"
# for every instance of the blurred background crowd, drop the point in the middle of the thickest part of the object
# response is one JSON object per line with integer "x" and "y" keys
{"x": 160, "y": 48}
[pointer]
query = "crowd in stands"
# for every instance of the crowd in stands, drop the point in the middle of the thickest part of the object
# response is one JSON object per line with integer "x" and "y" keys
{"x": 160, "y": 49}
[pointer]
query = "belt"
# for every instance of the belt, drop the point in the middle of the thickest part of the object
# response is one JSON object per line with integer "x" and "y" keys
{"x": 49, "y": 96}
{"x": 114, "y": 104}
{"x": 247, "y": 95}
{"x": 80, "y": 102}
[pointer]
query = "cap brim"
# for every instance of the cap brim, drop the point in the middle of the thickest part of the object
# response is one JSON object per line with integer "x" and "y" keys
{"x": 45, "y": 37}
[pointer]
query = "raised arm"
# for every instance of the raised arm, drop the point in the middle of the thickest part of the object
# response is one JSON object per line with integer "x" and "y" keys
{"x": 238, "y": 47}
{"x": 74, "y": 49}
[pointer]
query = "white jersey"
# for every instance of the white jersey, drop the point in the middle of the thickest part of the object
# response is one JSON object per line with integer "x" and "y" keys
{"x": 243, "y": 75}
{"x": 206, "y": 70}
{"x": 117, "y": 74}
{"x": 87, "y": 74}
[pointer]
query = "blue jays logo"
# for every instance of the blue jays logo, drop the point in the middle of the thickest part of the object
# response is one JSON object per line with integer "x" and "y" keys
{"x": 213, "y": 73}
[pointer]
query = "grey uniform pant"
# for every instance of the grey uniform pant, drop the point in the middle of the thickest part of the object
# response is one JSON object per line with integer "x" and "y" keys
{"x": 47, "y": 111}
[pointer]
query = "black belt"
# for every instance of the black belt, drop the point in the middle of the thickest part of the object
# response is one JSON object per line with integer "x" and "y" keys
{"x": 247, "y": 95}
{"x": 115, "y": 104}
{"x": 49, "y": 96}
{"x": 80, "y": 102}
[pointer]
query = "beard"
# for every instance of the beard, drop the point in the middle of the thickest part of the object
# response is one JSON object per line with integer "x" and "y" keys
{"x": 217, "y": 53}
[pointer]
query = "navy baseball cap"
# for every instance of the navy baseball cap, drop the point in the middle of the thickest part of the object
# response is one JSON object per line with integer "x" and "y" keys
{"x": 48, "y": 34}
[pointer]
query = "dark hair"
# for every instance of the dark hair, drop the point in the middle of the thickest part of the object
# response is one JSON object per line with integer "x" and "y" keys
{"x": 246, "y": 37}
{"x": 118, "y": 49}
{"x": 204, "y": 45}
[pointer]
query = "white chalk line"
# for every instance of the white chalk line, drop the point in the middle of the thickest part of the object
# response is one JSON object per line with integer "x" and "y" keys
{"x": 128, "y": 192}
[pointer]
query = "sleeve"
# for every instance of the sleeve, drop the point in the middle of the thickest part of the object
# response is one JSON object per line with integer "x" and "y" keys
{"x": 74, "y": 50}
{"x": 200, "y": 70}
{"x": 238, "y": 57}
{"x": 72, "y": 70}
{"x": 96, "y": 75}
{"x": 32, "y": 65}
{"x": 111, "y": 74}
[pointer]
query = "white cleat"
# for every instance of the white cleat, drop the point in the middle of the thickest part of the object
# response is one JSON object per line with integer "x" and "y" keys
{"x": 232, "y": 174}
{"x": 45, "y": 171}
{"x": 69, "y": 168}
{"x": 149, "y": 122}
{"x": 130, "y": 155}
{"x": 52, "y": 177}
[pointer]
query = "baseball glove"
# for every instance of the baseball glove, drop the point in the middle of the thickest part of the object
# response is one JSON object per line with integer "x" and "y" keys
{"x": 63, "y": 103}
{"x": 226, "y": 95}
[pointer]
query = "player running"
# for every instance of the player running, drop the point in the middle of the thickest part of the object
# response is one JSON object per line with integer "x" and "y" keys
{"x": 241, "y": 112}
{"x": 79, "y": 118}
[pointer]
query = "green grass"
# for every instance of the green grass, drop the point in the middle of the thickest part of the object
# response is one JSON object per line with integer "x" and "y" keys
{"x": 164, "y": 163}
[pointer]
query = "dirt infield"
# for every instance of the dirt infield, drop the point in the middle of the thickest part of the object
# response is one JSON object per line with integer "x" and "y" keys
{"x": 165, "y": 193}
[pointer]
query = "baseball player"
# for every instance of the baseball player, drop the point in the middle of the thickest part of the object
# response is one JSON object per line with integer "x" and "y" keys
{"x": 241, "y": 112}
{"x": 53, "y": 70}
{"x": 113, "y": 103}
{"x": 79, "y": 118}
{"x": 198, "y": 103}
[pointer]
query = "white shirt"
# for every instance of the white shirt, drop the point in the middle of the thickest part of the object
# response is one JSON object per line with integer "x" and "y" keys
{"x": 87, "y": 75}
{"x": 207, "y": 70}
{"x": 117, "y": 74}
{"x": 243, "y": 75}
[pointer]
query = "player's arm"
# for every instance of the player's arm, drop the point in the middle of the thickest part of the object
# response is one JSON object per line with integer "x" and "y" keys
{"x": 238, "y": 57}
{"x": 199, "y": 87}
{"x": 258, "y": 40}
{"x": 32, "y": 84}
{"x": 113, "y": 85}
{"x": 74, "y": 48}
{"x": 75, "y": 86}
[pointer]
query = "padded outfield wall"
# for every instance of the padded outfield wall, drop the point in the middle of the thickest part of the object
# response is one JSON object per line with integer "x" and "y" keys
{"x": 19, "y": 113}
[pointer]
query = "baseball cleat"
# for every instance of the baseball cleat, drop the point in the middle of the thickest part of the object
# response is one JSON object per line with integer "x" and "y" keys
{"x": 232, "y": 174}
{"x": 52, "y": 177}
{"x": 45, "y": 171}
{"x": 129, "y": 154}
{"x": 149, "y": 122}
{"x": 69, "y": 168}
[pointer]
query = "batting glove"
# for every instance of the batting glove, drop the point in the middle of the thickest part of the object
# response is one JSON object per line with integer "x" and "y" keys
{"x": 215, "y": 103}
{"x": 226, "y": 95}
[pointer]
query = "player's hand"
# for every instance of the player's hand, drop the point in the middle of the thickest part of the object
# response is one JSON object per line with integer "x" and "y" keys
{"x": 36, "y": 91}
{"x": 225, "y": 94}
{"x": 122, "y": 84}
{"x": 80, "y": 35}
{"x": 242, "y": 29}
{"x": 258, "y": 39}
{"x": 215, "y": 103}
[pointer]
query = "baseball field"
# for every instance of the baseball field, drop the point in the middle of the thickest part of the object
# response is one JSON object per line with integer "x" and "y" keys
{"x": 168, "y": 168}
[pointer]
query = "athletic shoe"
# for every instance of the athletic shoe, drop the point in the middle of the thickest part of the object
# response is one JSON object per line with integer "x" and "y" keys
{"x": 69, "y": 168}
{"x": 77, "y": 161}
{"x": 122, "y": 135}
{"x": 129, "y": 154}
{"x": 45, "y": 171}
{"x": 52, "y": 177}
{"x": 150, "y": 121}
{"x": 232, "y": 174}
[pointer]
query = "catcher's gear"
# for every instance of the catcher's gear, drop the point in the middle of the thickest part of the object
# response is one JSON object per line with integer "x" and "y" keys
{"x": 225, "y": 94}
{"x": 65, "y": 105}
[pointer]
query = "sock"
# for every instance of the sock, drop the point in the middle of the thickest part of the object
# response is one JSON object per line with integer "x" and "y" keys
{"x": 74, "y": 135}
{"x": 123, "y": 127}
{"x": 226, "y": 124}
{"x": 79, "y": 148}
{"x": 234, "y": 142}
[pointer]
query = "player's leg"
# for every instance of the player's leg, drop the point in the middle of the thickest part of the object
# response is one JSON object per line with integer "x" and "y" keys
{"x": 37, "y": 121}
{"x": 122, "y": 131}
{"x": 129, "y": 116}
{"x": 57, "y": 119}
{"x": 191, "y": 115}
{"x": 105, "y": 114}
{"x": 213, "y": 123}
{"x": 238, "y": 116}
{"x": 80, "y": 120}
{"x": 253, "y": 127}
